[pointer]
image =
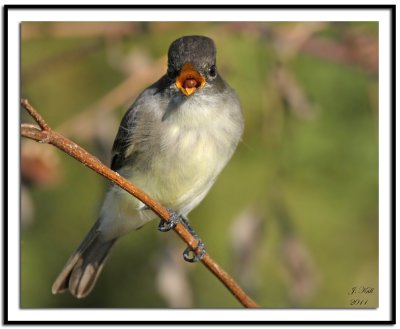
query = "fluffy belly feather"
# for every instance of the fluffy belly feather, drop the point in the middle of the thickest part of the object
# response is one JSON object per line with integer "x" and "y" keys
{"x": 181, "y": 172}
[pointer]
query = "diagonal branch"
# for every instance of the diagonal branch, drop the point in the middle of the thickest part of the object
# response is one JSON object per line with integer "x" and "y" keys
{"x": 44, "y": 134}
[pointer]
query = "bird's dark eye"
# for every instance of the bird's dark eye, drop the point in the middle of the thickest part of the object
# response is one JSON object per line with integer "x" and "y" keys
{"x": 212, "y": 72}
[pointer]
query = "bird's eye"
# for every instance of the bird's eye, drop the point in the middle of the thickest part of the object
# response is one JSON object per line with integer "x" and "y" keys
{"x": 212, "y": 72}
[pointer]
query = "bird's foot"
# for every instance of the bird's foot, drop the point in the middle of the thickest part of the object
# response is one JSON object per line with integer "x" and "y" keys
{"x": 193, "y": 255}
{"x": 174, "y": 219}
{"x": 190, "y": 255}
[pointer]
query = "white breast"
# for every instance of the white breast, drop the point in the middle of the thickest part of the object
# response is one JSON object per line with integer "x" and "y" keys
{"x": 195, "y": 146}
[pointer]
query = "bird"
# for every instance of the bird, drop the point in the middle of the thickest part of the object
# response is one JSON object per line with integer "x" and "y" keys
{"x": 173, "y": 142}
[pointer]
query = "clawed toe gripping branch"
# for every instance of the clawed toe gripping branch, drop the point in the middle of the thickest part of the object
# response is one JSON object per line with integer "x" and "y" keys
{"x": 44, "y": 134}
{"x": 193, "y": 255}
{"x": 174, "y": 220}
{"x": 190, "y": 255}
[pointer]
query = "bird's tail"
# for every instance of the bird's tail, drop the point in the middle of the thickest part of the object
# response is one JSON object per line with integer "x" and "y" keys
{"x": 82, "y": 269}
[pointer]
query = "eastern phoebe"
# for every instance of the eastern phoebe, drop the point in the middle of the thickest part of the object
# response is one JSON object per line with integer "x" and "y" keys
{"x": 172, "y": 143}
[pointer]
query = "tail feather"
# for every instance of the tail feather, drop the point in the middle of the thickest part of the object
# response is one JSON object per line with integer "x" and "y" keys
{"x": 83, "y": 268}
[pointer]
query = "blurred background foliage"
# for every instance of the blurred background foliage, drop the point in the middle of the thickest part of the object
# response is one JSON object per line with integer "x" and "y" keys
{"x": 293, "y": 217}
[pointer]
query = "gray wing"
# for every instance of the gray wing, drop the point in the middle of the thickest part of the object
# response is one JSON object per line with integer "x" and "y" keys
{"x": 123, "y": 150}
{"x": 124, "y": 138}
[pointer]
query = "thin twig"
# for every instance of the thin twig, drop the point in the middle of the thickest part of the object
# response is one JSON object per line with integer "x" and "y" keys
{"x": 46, "y": 135}
{"x": 42, "y": 124}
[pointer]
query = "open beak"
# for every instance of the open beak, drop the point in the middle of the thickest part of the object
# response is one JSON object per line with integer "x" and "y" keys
{"x": 189, "y": 80}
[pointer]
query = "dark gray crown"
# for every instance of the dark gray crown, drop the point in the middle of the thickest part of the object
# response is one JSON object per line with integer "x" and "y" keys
{"x": 195, "y": 49}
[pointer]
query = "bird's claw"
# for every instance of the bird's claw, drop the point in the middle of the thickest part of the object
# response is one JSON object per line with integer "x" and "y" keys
{"x": 190, "y": 255}
{"x": 193, "y": 256}
{"x": 174, "y": 219}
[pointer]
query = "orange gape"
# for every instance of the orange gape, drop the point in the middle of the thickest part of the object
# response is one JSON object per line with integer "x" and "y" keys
{"x": 189, "y": 80}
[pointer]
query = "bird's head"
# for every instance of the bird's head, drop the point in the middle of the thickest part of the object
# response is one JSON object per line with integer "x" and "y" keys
{"x": 192, "y": 63}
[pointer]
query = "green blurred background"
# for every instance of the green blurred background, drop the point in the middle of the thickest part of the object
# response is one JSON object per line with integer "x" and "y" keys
{"x": 293, "y": 217}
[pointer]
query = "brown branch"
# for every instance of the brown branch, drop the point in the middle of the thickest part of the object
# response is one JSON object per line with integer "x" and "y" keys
{"x": 44, "y": 134}
{"x": 42, "y": 124}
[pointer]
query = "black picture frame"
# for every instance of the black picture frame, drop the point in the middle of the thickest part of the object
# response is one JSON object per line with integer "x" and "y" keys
{"x": 7, "y": 9}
